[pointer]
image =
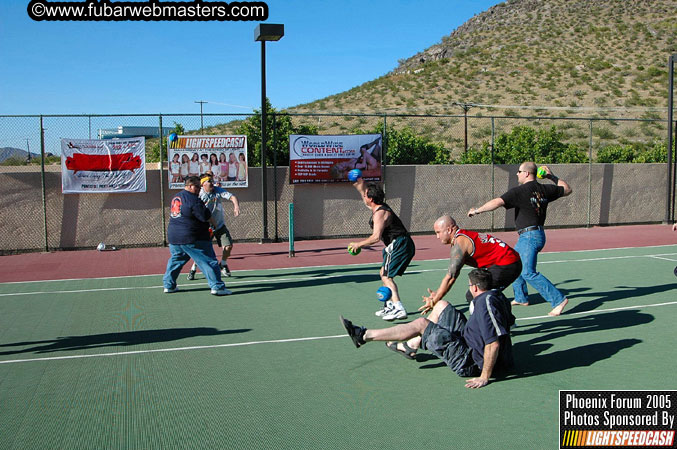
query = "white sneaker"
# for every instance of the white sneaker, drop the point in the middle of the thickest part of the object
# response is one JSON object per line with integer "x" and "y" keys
{"x": 171, "y": 291}
{"x": 225, "y": 271}
{"x": 222, "y": 291}
{"x": 387, "y": 307}
{"x": 395, "y": 314}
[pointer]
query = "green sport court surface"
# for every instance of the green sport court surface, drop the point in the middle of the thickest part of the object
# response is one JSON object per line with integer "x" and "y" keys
{"x": 115, "y": 363}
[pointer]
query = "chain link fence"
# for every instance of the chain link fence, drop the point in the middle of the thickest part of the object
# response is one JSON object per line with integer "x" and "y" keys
{"x": 39, "y": 217}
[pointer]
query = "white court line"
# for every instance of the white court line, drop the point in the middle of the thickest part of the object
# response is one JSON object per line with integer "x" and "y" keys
{"x": 664, "y": 259}
{"x": 594, "y": 311}
{"x": 279, "y": 341}
{"x": 319, "y": 267}
{"x": 296, "y": 279}
{"x": 230, "y": 284}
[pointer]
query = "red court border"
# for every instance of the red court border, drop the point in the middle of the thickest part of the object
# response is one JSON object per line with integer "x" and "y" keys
{"x": 310, "y": 253}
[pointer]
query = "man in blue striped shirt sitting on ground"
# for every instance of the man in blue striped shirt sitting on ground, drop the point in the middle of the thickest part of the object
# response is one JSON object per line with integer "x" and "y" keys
{"x": 478, "y": 347}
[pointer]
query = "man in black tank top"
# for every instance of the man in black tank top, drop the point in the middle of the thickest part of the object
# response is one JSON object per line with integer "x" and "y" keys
{"x": 399, "y": 250}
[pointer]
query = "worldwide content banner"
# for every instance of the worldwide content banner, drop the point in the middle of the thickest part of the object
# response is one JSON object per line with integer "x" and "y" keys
{"x": 617, "y": 419}
{"x": 224, "y": 156}
{"x": 103, "y": 165}
{"x": 328, "y": 159}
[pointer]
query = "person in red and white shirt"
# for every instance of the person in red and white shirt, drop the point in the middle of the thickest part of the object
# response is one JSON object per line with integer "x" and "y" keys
{"x": 477, "y": 250}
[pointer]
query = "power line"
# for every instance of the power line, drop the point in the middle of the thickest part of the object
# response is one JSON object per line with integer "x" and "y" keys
{"x": 231, "y": 105}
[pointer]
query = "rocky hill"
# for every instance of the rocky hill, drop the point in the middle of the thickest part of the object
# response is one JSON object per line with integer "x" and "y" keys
{"x": 522, "y": 59}
{"x": 592, "y": 55}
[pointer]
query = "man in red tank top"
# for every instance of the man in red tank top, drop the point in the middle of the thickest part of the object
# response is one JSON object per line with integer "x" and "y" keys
{"x": 476, "y": 250}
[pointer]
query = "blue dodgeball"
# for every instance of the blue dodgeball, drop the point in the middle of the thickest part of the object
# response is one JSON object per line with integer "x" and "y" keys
{"x": 384, "y": 293}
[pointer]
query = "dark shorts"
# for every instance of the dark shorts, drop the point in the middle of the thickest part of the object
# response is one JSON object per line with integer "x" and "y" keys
{"x": 501, "y": 276}
{"x": 445, "y": 340}
{"x": 397, "y": 256}
{"x": 225, "y": 240}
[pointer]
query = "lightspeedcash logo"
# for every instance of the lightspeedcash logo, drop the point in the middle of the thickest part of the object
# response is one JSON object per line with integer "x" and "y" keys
{"x": 617, "y": 419}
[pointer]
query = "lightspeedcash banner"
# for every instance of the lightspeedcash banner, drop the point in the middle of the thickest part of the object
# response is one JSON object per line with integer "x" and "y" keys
{"x": 617, "y": 419}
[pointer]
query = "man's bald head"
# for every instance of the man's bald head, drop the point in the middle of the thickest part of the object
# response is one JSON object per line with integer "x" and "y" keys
{"x": 444, "y": 229}
{"x": 528, "y": 166}
{"x": 526, "y": 172}
{"x": 446, "y": 221}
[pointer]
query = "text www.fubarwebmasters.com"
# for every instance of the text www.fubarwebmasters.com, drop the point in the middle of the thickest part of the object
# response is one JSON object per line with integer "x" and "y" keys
{"x": 152, "y": 10}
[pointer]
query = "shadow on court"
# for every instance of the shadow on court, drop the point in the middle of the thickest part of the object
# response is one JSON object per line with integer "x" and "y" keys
{"x": 305, "y": 283}
{"x": 619, "y": 293}
{"x": 330, "y": 250}
{"x": 575, "y": 295}
{"x": 558, "y": 328}
{"x": 127, "y": 338}
{"x": 530, "y": 361}
{"x": 320, "y": 271}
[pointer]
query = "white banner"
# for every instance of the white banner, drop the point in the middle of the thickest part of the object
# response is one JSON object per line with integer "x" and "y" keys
{"x": 327, "y": 159}
{"x": 103, "y": 165}
{"x": 224, "y": 156}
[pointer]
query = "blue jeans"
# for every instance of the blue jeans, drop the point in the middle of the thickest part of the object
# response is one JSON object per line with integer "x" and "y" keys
{"x": 203, "y": 254}
{"x": 528, "y": 246}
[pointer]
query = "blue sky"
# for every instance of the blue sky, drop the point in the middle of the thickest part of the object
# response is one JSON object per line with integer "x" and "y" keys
{"x": 163, "y": 67}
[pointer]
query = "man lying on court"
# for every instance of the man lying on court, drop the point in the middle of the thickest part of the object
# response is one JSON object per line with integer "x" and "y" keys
{"x": 477, "y": 347}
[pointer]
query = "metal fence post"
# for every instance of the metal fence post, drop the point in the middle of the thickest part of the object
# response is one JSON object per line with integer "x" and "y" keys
{"x": 42, "y": 179}
{"x": 674, "y": 173}
{"x": 590, "y": 176}
{"x": 493, "y": 169}
{"x": 384, "y": 143}
{"x": 162, "y": 188}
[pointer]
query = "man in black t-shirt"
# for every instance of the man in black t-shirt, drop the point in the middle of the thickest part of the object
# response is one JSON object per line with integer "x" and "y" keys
{"x": 530, "y": 200}
{"x": 478, "y": 347}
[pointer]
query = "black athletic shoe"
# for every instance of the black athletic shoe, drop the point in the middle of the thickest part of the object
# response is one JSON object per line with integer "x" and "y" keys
{"x": 356, "y": 333}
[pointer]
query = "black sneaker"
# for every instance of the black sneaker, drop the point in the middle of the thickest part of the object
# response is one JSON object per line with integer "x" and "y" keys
{"x": 356, "y": 333}
{"x": 191, "y": 275}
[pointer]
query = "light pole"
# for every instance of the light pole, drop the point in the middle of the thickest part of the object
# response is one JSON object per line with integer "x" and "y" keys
{"x": 265, "y": 32}
{"x": 672, "y": 176}
{"x": 202, "y": 125}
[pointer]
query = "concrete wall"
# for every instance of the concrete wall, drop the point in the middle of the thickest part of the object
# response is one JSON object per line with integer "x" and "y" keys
{"x": 619, "y": 193}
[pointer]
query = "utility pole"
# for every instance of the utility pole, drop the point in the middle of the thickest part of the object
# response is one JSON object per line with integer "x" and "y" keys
{"x": 466, "y": 107}
{"x": 202, "y": 125}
